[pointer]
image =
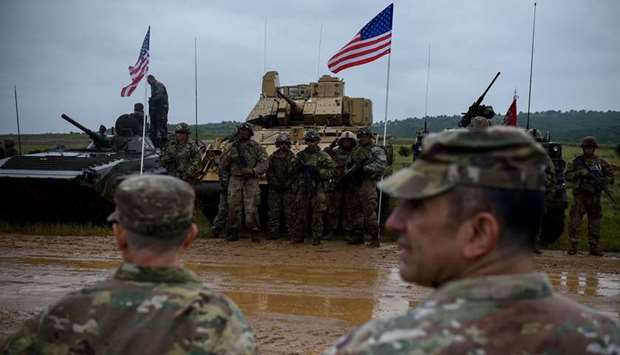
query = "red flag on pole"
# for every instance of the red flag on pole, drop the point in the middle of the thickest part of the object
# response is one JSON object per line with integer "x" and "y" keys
{"x": 511, "y": 115}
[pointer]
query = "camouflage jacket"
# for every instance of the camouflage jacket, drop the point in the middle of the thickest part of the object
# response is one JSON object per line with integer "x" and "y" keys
{"x": 159, "y": 95}
{"x": 550, "y": 180}
{"x": 582, "y": 180}
{"x": 321, "y": 164}
{"x": 510, "y": 314}
{"x": 138, "y": 311}
{"x": 280, "y": 173}
{"x": 340, "y": 157}
{"x": 373, "y": 158}
{"x": 240, "y": 156}
{"x": 181, "y": 160}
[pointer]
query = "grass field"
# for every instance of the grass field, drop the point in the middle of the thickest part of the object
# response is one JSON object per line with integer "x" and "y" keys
{"x": 610, "y": 236}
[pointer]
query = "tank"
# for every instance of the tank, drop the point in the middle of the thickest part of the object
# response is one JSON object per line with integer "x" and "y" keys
{"x": 322, "y": 106}
{"x": 75, "y": 184}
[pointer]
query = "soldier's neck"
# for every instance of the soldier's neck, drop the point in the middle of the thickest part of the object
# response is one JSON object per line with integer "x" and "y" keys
{"x": 148, "y": 258}
{"x": 501, "y": 264}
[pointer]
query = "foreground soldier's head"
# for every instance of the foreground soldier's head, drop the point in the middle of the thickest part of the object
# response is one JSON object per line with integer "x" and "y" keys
{"x": 471, "y": 205}
{"x": 153, "y": 219}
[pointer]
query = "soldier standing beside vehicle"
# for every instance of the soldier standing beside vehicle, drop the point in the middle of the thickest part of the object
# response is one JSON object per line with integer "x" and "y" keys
{"x": 244, "y": 160}
{"x": 368, "y": 162}
{"x": 152, "y": 305}
{"x": 339, "y": 207}
{"x": 181, "y": 158}
{"x": 314, "y": 168}
{"x": 158, "y": 110}
{"x": 280, "y": 176}
{"x": 590, "y": 176}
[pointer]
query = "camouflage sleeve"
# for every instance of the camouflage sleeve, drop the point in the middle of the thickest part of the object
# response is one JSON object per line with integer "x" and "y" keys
{"x": 225, "y": 158}
{"x": 326, "y": 167}
{"x": 550, "y": 177}
{"x": 608, "y": 173}
{"x": 269, "y": 172}
{"x": 377, "y": 162}
{"x": 573, "y": 171}
{"x": 23, "y": 342}
{"x": 355, "y": 341}
{"x": 196, "y": 162}
{"x": 167, "y": 159}
{"x": 262, "y": 160}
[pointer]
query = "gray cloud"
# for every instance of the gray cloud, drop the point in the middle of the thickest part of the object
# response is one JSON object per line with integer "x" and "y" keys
{"x": 72, "y": 56}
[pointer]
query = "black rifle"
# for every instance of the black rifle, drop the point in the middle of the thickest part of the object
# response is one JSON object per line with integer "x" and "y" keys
{"x": 354, "y": 172}
{"x": 477, "y": 109}
{"x": 599, "y": 185}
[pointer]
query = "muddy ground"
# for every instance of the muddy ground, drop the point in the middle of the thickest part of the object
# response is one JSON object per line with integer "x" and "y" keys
{"x": 298, "y": 298}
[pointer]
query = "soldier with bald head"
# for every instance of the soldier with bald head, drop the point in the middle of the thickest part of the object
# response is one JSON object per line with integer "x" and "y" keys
{"x": 466, "y": 220}
{"x": 152, "y": 305}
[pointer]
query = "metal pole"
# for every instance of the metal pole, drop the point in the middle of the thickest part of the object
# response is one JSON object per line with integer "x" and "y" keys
{"x": 318, "y": 61}
{"x": 19, "y": 134}
{"x": 143, "y": 126}
{"x": 529, "y": 96}
{"x": 387, "y": 96}
{"x": 196, "y": 83}
{"x": 428, "y": 73}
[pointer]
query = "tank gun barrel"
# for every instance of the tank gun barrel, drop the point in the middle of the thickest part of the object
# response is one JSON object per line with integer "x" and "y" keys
{"x": 477, "y": 109}
{"x": 295, "y": 107}
{"x": 99, "y": 140}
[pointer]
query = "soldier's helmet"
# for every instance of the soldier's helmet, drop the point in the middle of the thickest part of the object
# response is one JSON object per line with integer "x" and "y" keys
{"x": 283, "y": 138}
{"x": 182, "y": 128}
{"x": 246, "y": 126}
{"x": 480, "y": 122}
{"x": 589, "y": 141}
{"x": 138, "y": 107}
{"x": 312, "y": 136}
{"x": 534, "y": 133}
{"x": 364, "y": 131}
{"x": 347, "y": 135}
{"x": 9, "y": 143}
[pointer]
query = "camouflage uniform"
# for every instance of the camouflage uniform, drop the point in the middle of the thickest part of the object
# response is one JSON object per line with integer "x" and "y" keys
{"x": 158, "y": 110}
{"x": 364, "y": 197}
{"x": 587, "y": 197}
{"x": 314, "y": 168}
{"x": 245, "y": 161}
{"x": 505, "y": 313}
{"x": 181, "y": 159}
{"x": 338, "y": 206}
{"x": 141, "y": 310}
{"x": 280, "y": 176}
{"x": 219, "y": 222}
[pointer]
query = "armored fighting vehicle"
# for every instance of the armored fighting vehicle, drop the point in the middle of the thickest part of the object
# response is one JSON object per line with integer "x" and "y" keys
{"x": 322, "y": 106}
{"x": 74, "y": 184}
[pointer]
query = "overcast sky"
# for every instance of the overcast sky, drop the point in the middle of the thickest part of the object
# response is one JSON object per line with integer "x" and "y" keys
{"x": 72, "y": 56}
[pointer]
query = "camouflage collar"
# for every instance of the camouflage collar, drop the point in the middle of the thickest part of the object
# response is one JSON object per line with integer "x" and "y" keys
{"x": 131, "y": 272}
{"x": 502, "y": 287}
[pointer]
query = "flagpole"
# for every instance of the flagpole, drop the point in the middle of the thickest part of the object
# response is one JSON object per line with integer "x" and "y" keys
{"x": 145, "y": 109}
{"x": 19, "y": 135}
{"x": 529, "y": 96}
{"x": 387, "y": 96}
{"x": 318, "y": 61}
{"x": 428, "y": 73}
{"x": 196, "y": 84}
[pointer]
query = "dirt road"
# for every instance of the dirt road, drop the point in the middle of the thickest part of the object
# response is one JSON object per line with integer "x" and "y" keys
{"x": 298, "y": 298}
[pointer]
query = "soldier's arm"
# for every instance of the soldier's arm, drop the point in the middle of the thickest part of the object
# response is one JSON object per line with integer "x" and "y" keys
{"x": 550, "y": 176}
{"x": 572, "y": 172}
{"x": 24, "y": 341}
{"x": 326, "y": 167}
{"x": 262, "y": 160}
{"x": 166, "y": 159}
{"x": 608, "y": 173}
{"x": 377, "y": 162}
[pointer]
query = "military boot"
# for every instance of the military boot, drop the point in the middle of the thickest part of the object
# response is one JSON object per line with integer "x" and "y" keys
{"x": 232, "y": 236}
{"x": 594, "y": 251}
{"x": 573, "y": 249}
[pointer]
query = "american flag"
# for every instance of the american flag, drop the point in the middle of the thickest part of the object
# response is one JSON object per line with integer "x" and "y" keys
{"x": 138, "y": 70}
{"x": 372, "y": 42}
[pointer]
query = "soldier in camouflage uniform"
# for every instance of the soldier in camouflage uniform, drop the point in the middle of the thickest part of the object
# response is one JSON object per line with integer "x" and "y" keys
{"x": 158, "y": 110}
{"x": 181, "y": 158}
{"x": 339, "y": 207}
{"x": 365, "y": 167}
{"x": 244, "y": 160}
{"x": 151, "y": 305}
{"x": 219, "y": 222}
{"x": 314, "y": 168}
{"x": 588, "y": 175}
{"x": 465, "y": 225}
{"x": 281, "y": 176}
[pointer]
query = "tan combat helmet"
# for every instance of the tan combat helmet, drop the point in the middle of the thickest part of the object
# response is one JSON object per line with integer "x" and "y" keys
{"x": 589, "y": 141}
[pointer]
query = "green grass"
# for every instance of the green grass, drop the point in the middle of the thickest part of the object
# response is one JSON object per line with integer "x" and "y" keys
{"x": 56, "y": 229}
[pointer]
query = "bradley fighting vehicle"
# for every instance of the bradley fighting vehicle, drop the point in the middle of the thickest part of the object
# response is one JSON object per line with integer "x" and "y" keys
{"x": 74, "y": 184}
{"x": 293, "y": 109}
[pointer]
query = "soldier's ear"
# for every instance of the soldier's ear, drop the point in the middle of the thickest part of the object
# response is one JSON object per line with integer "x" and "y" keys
{"x": 191, "y": 235}
{"x": 120, "y": 235}
{"x": 480, "y": 235}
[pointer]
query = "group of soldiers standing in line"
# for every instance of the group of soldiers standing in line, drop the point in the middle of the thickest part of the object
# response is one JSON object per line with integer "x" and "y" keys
{"x": 301, "y": 187}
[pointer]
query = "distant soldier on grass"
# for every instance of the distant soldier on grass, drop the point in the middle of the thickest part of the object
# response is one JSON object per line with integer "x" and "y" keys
{"x": 181, "y": 157}
{"x": 152, "y": 305}
{"x": 244, "y": 160}
{"x": 589, "y": 176}
{"x": 281, "y": 198}
{"x": 467, "y": 219}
